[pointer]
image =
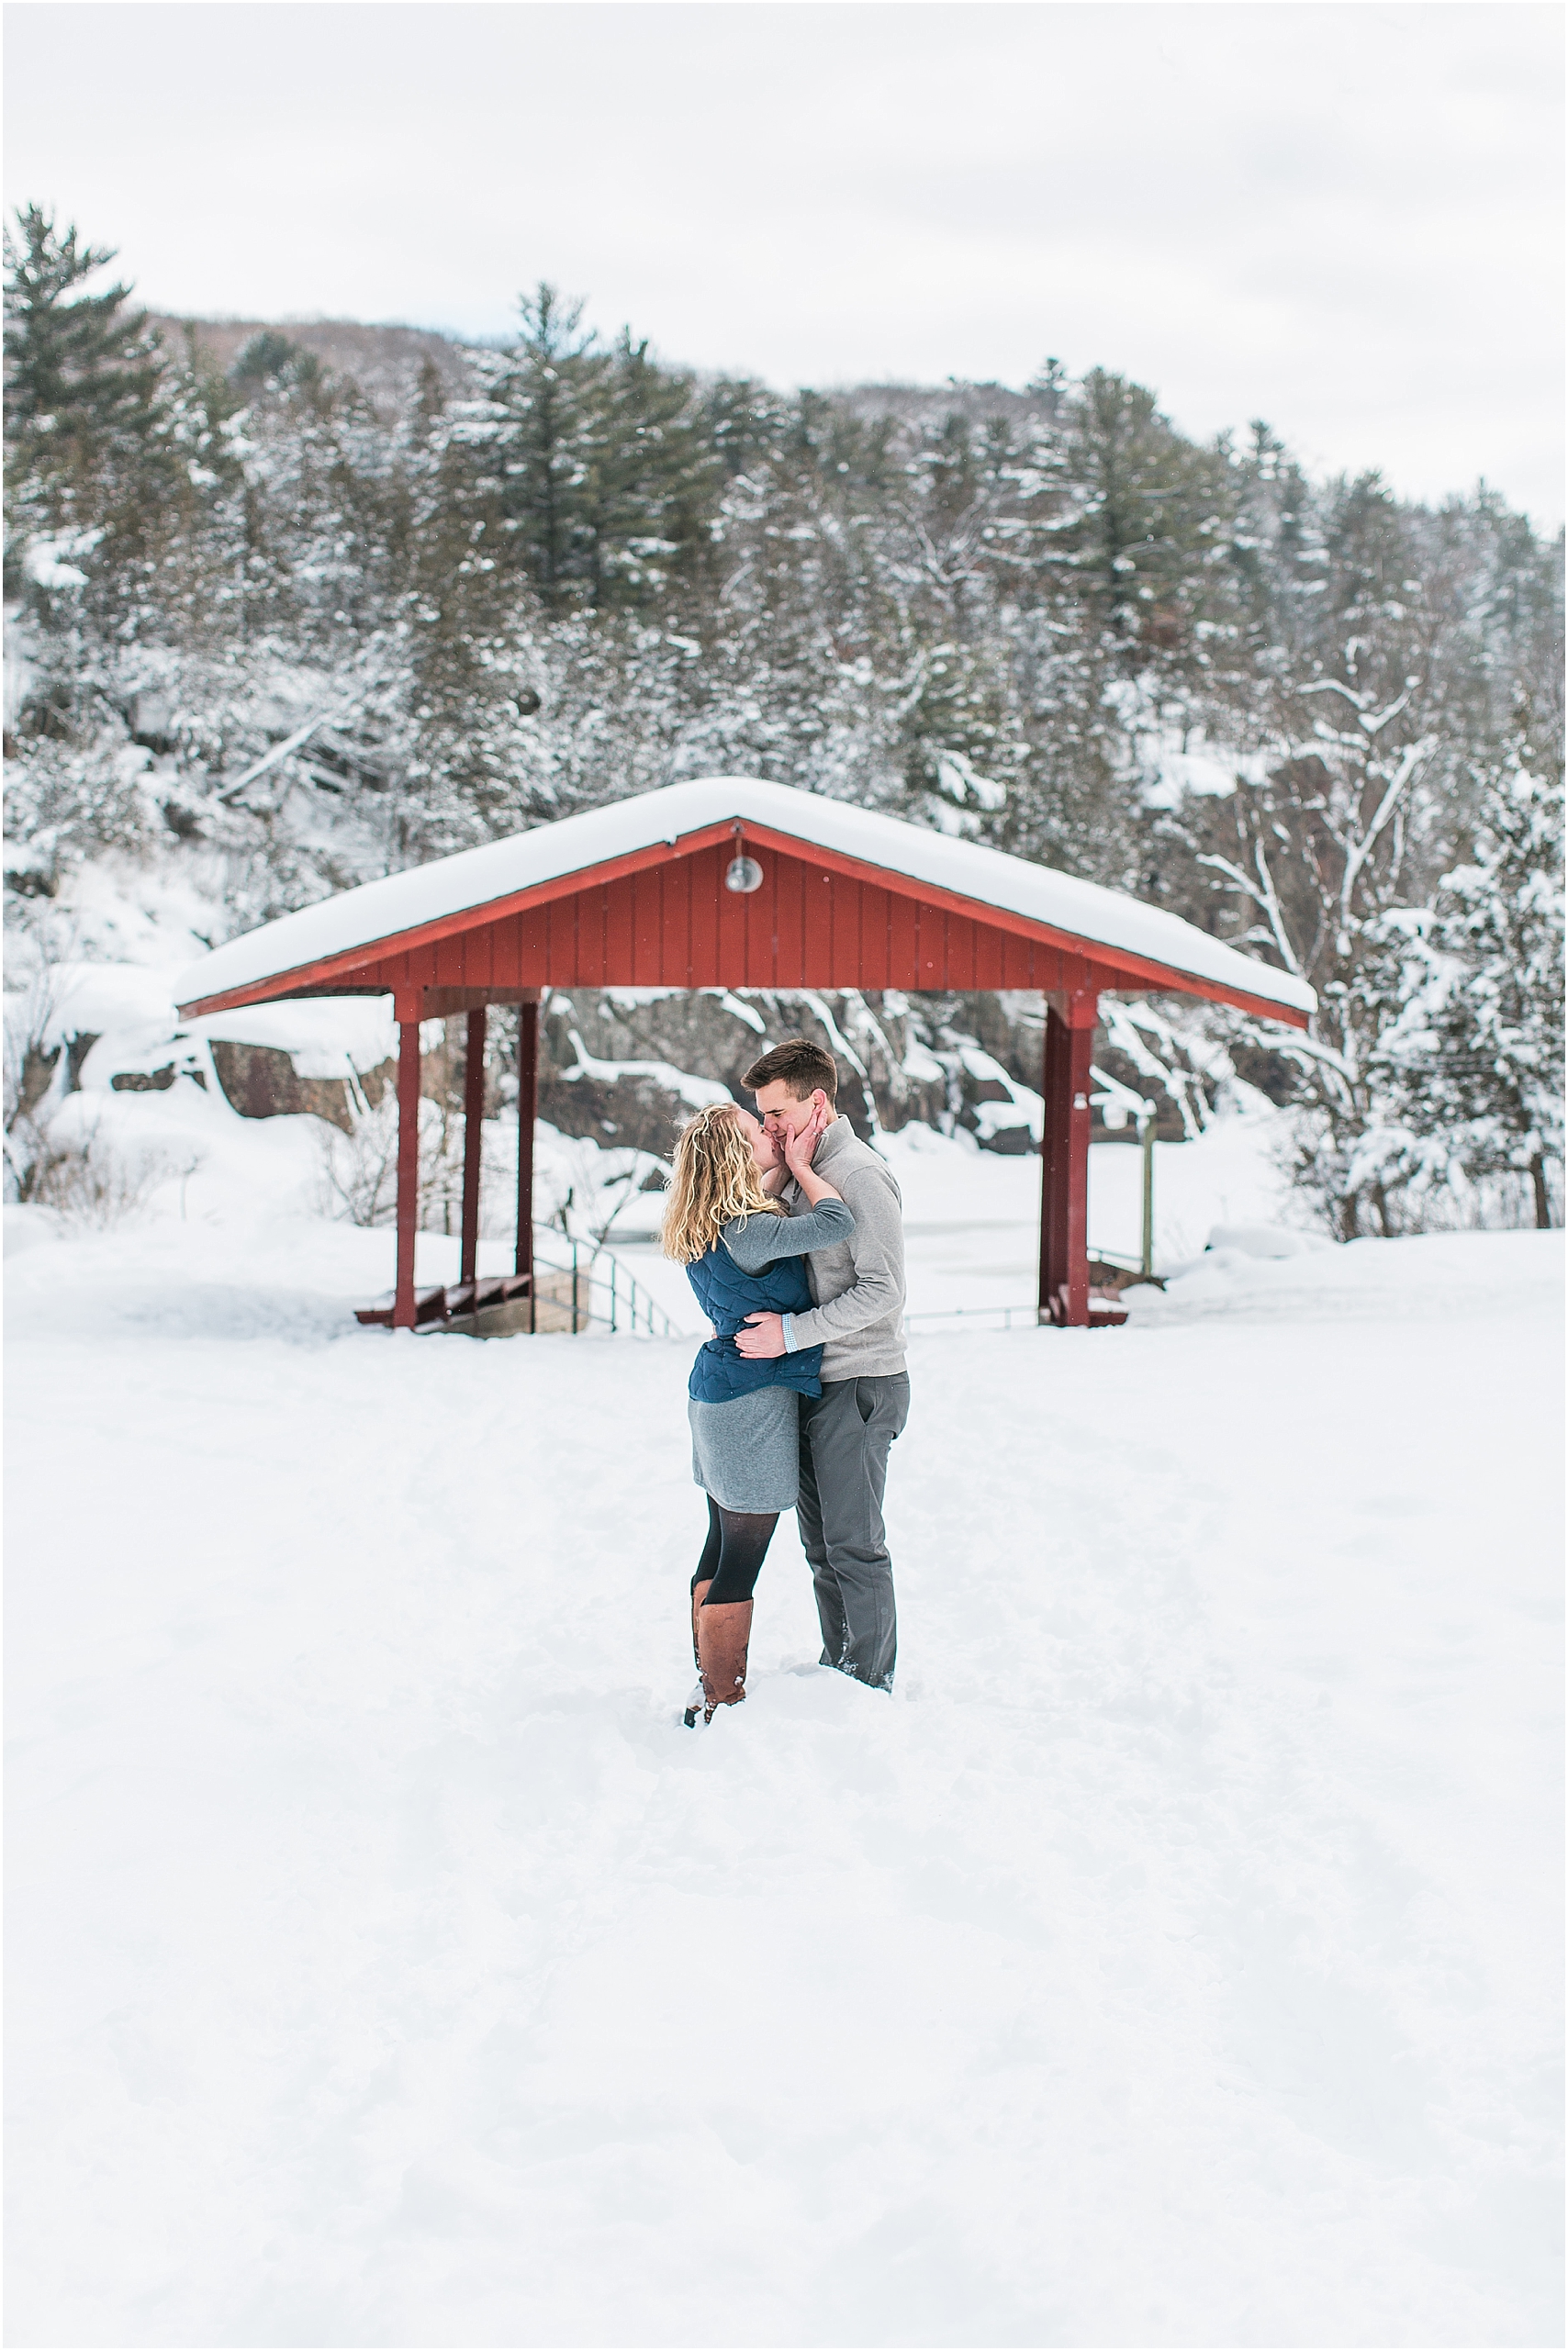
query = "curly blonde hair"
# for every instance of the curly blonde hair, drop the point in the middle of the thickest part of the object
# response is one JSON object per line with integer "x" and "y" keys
{"x": 715, "y": 1179}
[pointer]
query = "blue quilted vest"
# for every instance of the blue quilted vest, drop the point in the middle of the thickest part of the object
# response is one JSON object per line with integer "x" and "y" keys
{"x": 727, "y": 1297}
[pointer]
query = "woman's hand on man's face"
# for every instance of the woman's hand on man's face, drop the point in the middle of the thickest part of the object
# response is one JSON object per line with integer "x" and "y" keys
{"x": 800, "y": 1148}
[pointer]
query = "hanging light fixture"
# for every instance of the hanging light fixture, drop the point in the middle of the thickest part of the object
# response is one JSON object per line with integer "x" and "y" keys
{"x": 742, "y": 874}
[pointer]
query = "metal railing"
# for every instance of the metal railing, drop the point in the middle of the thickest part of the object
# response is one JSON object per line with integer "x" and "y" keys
{"x": 603, "y": 1290}
{"x": 1023, "y": 1316}
{"x": 1008, "y": 1317}
{"x": 1129, "y": 1261}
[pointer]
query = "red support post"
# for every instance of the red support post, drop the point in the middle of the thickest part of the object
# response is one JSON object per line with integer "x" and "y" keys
{"x": 1064, "y": 1170}
{"x": 1051, "y": 1160}
{"x": 1081, "y": 1050}
{"x": 407, "y": 1161}
{"x": 527, "y": 1111}
{"x": 472, "y": 1142}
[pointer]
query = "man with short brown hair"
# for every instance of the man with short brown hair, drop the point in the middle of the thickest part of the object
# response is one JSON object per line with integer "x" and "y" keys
{"x": 857, "y": 1320}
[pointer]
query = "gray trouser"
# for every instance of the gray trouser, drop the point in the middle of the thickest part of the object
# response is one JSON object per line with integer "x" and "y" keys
{"x": 844, "y": 1436}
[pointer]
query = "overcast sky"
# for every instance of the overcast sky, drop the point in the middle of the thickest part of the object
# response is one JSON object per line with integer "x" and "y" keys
{"x": 1344, "y": 218}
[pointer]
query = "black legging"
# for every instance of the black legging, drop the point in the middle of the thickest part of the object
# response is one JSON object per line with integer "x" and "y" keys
{"x": 732, "y": 1555}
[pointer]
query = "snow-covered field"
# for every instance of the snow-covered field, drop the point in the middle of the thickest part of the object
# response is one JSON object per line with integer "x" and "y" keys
{"x": 1173, "y": 1959}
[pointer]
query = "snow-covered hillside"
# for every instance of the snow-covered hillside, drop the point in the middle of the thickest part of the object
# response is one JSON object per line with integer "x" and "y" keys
{"x": 1171, "y": 1960}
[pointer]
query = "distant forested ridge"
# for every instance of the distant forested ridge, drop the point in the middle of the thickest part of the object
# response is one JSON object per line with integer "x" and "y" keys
{"x": 311, "y": 604}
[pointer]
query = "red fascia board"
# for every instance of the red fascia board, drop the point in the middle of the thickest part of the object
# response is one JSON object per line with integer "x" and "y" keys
{"x": 1161, "y": 975}
{"x": 1139, "y": 969}
{"x": 467, "y": 918}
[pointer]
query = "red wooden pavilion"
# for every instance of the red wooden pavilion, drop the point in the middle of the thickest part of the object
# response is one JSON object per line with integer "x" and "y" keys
{"x": 731, "y": 882}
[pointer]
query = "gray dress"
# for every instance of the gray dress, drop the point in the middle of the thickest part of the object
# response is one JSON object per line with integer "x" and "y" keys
{"x": 746, "y": 1452}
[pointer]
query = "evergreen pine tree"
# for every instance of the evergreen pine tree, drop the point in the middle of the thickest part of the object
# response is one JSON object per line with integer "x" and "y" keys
{"x": 652, "y": 484}
{"x": 1476, "y": 1062}
{"x": 1149, "y": 506}
{"x": 81, "y": 369}
{"x": 93, "y": 461}
{"x": 540, "y": 455}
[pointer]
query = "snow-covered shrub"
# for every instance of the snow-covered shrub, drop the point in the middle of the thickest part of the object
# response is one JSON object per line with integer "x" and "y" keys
{"x": 359, "y": 1169}
{"x": 1433, "y": 1094}
{"x": 1473, "y": 1065}
{"x": 87, "y": 1179}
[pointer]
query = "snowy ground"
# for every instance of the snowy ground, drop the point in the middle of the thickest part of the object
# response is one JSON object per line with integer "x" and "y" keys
{"x": 1171, "y": 1960}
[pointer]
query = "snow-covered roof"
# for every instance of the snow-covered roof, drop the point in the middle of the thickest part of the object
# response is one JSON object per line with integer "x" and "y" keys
{"x": 380, "y": 912}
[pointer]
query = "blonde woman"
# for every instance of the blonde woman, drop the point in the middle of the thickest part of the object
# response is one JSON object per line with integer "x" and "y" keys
{"x": 744, "y": 1255}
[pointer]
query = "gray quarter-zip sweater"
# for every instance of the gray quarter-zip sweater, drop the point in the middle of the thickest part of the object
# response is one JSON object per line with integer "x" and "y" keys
{"x": 857, "y": 1283}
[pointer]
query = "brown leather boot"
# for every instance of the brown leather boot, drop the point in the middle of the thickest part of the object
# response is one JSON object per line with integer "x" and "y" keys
{"x": 723, "y": 1634}
{"x": 699, "y": 1593}
{"x": 698, "y": 1700}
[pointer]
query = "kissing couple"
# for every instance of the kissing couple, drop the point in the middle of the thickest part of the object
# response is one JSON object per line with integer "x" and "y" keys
{"x": 791, "y": 1233}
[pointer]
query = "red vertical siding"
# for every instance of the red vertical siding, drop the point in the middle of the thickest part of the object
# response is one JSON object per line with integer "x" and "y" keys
{"x": 871, "y": 930}
{"x": 619, "y": 967}
{"x": 650, "y": 943}
{"x": 565, "y": 917}
{"x": 903, "y": 942}
{"x": 705, "y": 885}
{"x": 826, "y": 907}
{"x": 789, "y": 923}
{"x": 989, "y": 957}
{"x": 731, "y": 922}
{"x": 932, "y": 952}
{"x": 676, "y": 925}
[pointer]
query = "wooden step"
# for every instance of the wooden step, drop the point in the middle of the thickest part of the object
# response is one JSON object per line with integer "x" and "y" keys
{"x": 433, "y": 1308}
